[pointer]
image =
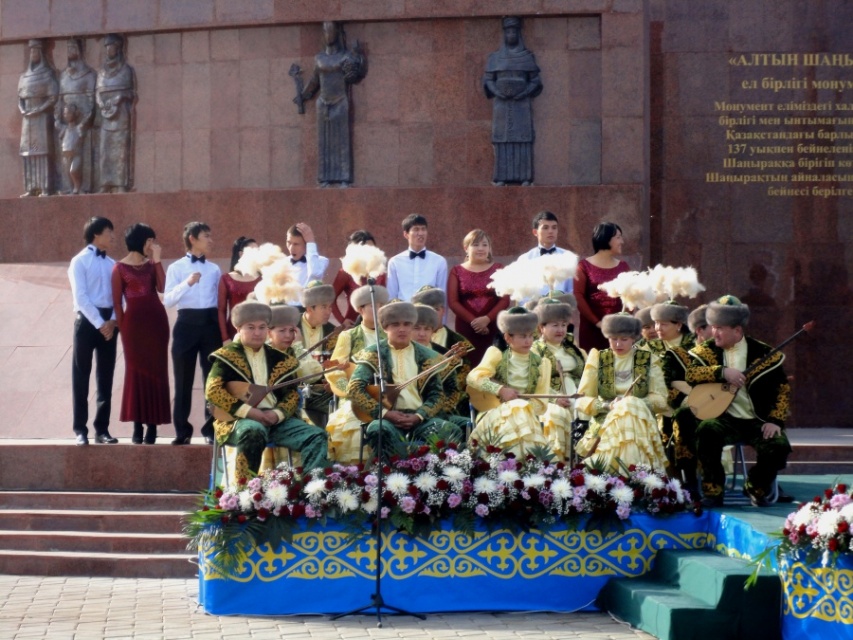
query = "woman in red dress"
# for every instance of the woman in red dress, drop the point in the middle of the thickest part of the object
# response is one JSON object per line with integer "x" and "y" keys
{"x": 603, "y": 266}
{"x": 234, "y": 288}
{"x": 144, "y": 330}
{"x": 476, "y": 305}
{"x": 345, "y": 284}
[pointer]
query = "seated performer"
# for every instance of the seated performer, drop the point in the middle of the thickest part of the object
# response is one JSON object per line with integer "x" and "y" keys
{"x": 249, "y": 429}
{"x": 672, "y": 344}
{"x": 413, "y": 416}
{"x": 283, "y": 330}
{"x": 514, "y": 423}
{"x": 699, "y": 325}
{"x": 317, "y": 298}
{"x": 344, "y": 428}
{"x": 647, "y": 327}
{"x": 567, "y": 360}
{"x": 757, "y": 413}
{"x": 622, "y": 388}
{"x": 425, "y": 326}
{"x": 444, "y": 337}
{"x": 417, "y": 265}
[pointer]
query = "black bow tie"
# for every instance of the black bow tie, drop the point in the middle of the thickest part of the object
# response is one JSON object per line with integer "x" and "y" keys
{"x": 543, "y": 251}
{"x": 302, "y": 259}
{"x": 100, "y": 254}
{"x": 417, "y": 254}
{"x": 195, "y": 259}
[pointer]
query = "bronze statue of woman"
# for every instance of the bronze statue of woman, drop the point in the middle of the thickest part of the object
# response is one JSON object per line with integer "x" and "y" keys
{"x": 335, "y": 68}
{"x": 512, "y": 79}
{"x": 38, "y": 91}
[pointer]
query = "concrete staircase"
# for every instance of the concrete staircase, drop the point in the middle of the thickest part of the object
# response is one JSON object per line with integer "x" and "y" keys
{"x": 693, "y": 595}
{"x": 101, "y": 510}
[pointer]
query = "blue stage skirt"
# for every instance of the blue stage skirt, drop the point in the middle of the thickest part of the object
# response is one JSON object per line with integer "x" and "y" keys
{"x": 817, "y": 602}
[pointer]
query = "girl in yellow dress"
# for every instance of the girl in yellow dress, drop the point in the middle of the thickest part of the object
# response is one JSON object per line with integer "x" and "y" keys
{"x": 623, "y": 387}
{"x": 513, "y": 422}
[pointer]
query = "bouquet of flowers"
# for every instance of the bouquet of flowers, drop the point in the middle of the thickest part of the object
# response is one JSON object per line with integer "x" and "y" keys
{"x": 433, "y": 483}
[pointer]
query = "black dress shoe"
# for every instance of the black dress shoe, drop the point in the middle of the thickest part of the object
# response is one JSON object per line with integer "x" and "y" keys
{"x": 82, "y": 440}
{"x": 105, "y": 438}
{"x": 184, "y": 440}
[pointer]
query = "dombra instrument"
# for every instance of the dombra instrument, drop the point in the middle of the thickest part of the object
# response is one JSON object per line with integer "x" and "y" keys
{"x": 252, "y": 394}
{"x": 587, "y": 445}
{"x": 392, "y": 391}
{"x": 331, "y": 335}
{"x": 711, "y": 399}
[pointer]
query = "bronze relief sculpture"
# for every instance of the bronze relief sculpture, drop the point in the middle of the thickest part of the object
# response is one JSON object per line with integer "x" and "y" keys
{"x": 116, "y": 97}
{"x": 77, "y": 102}
{"x": 335, "y": 69}
{"x": 512, "y": 80}
{"x": 38, "y": 92}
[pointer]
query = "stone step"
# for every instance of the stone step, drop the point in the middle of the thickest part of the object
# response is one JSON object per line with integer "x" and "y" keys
{"x": 38, "y": 520}
{"x": 115, "y": 565}
{"x": 99, "y": 500}
{"x": 53, "y": 466}
{"x": 815, "y": 468}
{"x": 94, "y": 542}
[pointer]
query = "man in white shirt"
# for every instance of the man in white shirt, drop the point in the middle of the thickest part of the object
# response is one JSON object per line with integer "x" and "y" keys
{"x": 308, "y": 264}
{"x": 192, "y": 285}
{"x": 546, "y": 227}
{"x": 410, "y": 270}
{"x": 95, "y": 330}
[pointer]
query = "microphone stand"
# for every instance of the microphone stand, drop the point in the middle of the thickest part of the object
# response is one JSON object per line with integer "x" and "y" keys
{"x": 376, "y": 600}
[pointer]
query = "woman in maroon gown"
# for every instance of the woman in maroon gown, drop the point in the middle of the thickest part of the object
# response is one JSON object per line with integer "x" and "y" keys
{"x": 234, "y": 288}
{"x": 476, "y": 305}
{"x": 144, "y": 330}
{"x": 344, "y": 283}
{"x": 603, "y": 266}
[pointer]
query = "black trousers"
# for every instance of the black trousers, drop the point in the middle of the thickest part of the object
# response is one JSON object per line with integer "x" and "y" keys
{"x": 194, "y": 337}
{"x": 88, "y": 341}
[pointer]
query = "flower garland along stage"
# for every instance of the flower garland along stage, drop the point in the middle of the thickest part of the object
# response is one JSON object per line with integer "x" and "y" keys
{"x": 815, "y": 563}
{"x": 465, "y": 532}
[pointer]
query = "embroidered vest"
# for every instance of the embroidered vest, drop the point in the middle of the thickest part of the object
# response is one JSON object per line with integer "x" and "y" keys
{"x": 502, "y": 370}
{"x": 607, "y": 374}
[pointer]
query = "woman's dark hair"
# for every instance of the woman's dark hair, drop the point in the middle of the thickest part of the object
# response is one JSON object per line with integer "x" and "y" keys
{"x": 136, "y": 236}
{"x": 362, "y": 236}
{"x": 95, "y": 226}
{"x": 603, "y": 234}
{"x": 237, "y": 248}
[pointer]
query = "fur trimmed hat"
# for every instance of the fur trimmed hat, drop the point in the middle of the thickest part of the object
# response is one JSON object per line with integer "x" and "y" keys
{"x": 517, "y": 320}
{"x": 727, "y": 311}
{"x": 669, "y": 311}
{"x": 397, "y": 311}
{"x": 696, "y": 318}
{"x": 285, "y": 315}
{"x": 620, "y": 324}
{"x": 644, "y": 316}
{"x": 552, "y": 310}
{"x": 250, "y": 312}
{"x": 361, "y": 296}
{"x": 315, "y": 292}
{"x": 427, "y": 316}
{"x": 430, "y": 296}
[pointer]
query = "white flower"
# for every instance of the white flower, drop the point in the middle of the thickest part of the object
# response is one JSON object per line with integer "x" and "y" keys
{"x": 653, "y": 482}
{"x": 484, "y": 485}
{"x": 595, "y": 483}
{"x": 315, "y": 487}
{"x": 454, "y": 474}
{"x": 347, "y": 500}
{"x": 277, "y": 494}
{"x": 805, "y": 515}
{"x": 370, "y": 505}
{"x": 508, "y": 477}
{"x": 622, "y": 494}
{"x": 847, "y": 512}
{"x": 425, "y": 482}
{"x": 397, "y": 483}
{"x": 246, "y": 501}
{"x": 562, "y": 489}
{"x": 827, "y": 524}
{"x": 534, "y": 480}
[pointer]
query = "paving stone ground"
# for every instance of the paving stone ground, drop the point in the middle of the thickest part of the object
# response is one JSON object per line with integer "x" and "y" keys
{"x": 62, "y": 608}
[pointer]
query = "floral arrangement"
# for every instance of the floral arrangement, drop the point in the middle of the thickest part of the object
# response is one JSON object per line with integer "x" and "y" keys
{"x": 819, "y": 530}
{"x": 431, "y": 484}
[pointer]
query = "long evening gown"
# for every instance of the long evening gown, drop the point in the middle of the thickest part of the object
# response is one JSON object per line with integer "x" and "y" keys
{"x": 593, "y": 303}
{"x": 144, "y": 335}
{"x": 469, "y": 297}
{"x": 344, "y": 283}
{"x": 235, "y": 292}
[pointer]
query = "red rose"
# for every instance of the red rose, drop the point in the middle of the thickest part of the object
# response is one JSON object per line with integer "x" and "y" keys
{"x": 841, "y": 488}
{"x": 365, "y": 496}
{"x": 454, "y": 446}
{"x": 205, "y": 508}
{"x": 329, "y": 485}
{"x": 297, "y": 510}
{"x": 440, "y": 444}
{"x": 258, "y": 496}
{"x": 632, "y": 468}
{"x": 242, "y": 481}
{"x": 843, "y": 526}
{"x": 241, "y": 518}
{"x": 218, "y": 494}
{"x": 577, "y": 480}
{"x": 442, "y": 485}
{"x": 832, "y": 544}
{"x": 518, "y": 484}
{"x": 828, "y": 493}
{"x": 225, "y": 519}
